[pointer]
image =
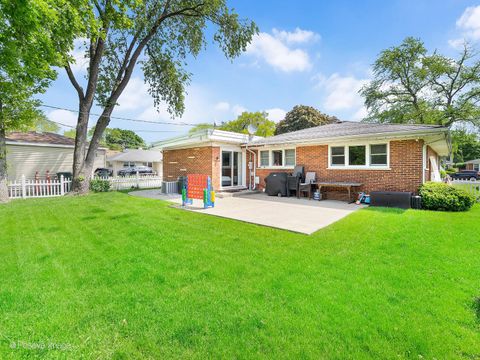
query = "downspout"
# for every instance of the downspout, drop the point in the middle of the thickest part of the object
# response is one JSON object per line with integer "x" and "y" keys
{"x": 251, "y": 186}
{"x": 424, "y": 162}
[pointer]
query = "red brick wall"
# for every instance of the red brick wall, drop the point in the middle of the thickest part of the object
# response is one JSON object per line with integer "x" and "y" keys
{"x": 200, "y": 160}
{"x": 405, "y": 172}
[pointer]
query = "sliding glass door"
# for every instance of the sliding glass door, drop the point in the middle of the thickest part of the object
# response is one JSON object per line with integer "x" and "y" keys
{"x": 231, "y": 168}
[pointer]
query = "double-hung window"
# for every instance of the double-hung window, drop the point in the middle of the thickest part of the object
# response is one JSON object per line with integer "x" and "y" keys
{"x": 337, "y": 156}
{"x": 359, "y": 156}
{"x": 264, "y": 158}
{"x": 277, "y": 158}
{"x": 378, "y": 155}
{"x": 290, "y": 157}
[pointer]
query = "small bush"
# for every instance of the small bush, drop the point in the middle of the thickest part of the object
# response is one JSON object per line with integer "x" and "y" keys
{"x": 450, "y": 171}
{"x": 444, "y": 197}
{"x": 99, "y": 185}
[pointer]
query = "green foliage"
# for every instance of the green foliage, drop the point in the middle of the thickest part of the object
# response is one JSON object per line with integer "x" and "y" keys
{"x": 411, "y": 86}
{"x": 258, "y": 119}
{"x": 119, "y": 139}
{"x": 99, "y": 185}
{"x": 69, "y": 133}
{"x": 444, "y": 197}
{"x": 303, "y": 117}
{"x": 450, "y": 171}
{"x": 201, "y": 127}
{"x": 43, "y": 124}
{"x": 465, "y": 145}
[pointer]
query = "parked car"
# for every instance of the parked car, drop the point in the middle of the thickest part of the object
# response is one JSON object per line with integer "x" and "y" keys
{"x": 133, "y": 170}
{"x": 466, "y": 175}
{"x": 103, "y": 172}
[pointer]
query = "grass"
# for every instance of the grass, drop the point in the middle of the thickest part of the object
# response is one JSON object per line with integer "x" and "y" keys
{"x": 111, "y": 276}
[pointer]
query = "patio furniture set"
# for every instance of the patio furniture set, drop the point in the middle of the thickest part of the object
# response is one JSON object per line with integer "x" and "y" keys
{"x": 303, "y": 184}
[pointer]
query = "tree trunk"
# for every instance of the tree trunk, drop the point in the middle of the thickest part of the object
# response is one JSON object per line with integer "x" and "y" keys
{"x": 3, "y": 160}
{"x": 81, "y": 175}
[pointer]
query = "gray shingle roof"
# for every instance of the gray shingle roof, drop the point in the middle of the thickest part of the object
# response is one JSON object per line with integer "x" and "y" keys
{"x": 39, "y": 138}
{"x": 345, "y": 129}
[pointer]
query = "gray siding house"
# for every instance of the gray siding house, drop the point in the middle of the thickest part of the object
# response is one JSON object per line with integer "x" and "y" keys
{"x": 32, "y": 152}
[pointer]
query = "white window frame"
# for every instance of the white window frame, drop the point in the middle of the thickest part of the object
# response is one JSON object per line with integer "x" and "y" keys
{"x": 367, "y": 166}
{"x": 130, "y": 164}
{"x": 476, "y": 167}
{"x": 270, "y": 158}
{"x": 260, "y": 158}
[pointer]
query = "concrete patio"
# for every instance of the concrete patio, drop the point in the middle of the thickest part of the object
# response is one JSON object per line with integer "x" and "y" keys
{"x": 298, "y": 215}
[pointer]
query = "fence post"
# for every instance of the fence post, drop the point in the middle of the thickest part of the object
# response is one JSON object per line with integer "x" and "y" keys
{"x": 24, "y": 187}
{"x": 138, "y": 181}
{"x": 62, "y": 185}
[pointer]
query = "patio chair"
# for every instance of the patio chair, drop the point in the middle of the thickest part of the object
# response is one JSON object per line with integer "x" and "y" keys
{"x": 306, "y": 187}
{"x": 294, "y": 180}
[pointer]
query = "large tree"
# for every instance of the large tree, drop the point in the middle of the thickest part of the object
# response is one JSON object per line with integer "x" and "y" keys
{"x": 465, "y": 145}
{"x": 412, "y": 86}
{"x": 159, "y": 35}
{"x": 27, "y": 52}
{"x": 258, "y": 119}
{"x": 303, "y": 117}
{"x": 119, "y": 139}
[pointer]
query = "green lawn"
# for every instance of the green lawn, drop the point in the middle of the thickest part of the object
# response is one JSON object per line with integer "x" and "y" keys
{"x": 111, "y": 276}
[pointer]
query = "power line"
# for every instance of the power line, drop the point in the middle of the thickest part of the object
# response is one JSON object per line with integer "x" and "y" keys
{"x": 124, "y": 118}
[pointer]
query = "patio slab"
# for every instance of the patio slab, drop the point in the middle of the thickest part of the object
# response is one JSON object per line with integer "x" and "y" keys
{"x": 298, "y": 215}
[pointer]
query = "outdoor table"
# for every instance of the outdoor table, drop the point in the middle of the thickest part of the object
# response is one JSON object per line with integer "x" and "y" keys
{"x": 346, "y": 185}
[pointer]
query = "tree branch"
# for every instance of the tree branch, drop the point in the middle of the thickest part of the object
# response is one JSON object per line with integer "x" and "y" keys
{"x": 74, "y": 82}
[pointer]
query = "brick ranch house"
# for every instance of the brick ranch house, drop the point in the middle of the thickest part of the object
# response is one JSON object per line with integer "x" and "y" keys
{"x": 393, "y": 157}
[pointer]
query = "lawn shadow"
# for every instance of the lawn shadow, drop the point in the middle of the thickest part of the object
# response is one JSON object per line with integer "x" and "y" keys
{"x": 476, "y": 307}
{"x": 387, "y": 209}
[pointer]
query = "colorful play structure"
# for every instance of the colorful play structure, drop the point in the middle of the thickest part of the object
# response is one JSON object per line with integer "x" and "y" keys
{"x": 199, "y": 187}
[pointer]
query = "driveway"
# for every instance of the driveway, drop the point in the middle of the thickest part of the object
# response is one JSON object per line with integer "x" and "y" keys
{"x": 298, "y": 215}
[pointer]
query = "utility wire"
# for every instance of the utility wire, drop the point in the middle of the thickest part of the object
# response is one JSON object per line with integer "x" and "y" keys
{"x": 124, "y": 118}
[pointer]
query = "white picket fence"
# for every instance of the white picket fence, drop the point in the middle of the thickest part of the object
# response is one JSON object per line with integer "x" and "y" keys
{"x": 25, "y": 188}
{"x": 139, "y": 181}
{"x": 471, "y": 186}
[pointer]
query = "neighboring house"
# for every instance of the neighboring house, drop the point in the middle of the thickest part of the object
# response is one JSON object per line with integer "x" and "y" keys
{"x": 31, "y": 152}
{"x": 132, "y": 158}
{"x": 389, "y": 157}
{"x": 472, "y": 165}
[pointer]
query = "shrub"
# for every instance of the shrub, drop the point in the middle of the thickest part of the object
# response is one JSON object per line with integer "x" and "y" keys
{"x": 444, "y": 197}
{"x": 99, "y": 185}
{"x": 451, "y": 171}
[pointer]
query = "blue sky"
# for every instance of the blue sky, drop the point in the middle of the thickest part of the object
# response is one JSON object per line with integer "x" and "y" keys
{"x": 315, "y": 53}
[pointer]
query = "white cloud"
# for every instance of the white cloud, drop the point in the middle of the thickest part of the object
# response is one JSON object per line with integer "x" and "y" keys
{"x": 342, "y": 92}
{"x": 63, "y": 117}
{"x": 276, "y": 114}
{"x": 275, "y": 51}
{"x": 469, "y": 24}
{"x": 135, "y": 96}
{"x": 298, "y": 36}
{"x": 237, "y": 110}
{"x": 456, "y": 43}
{"x": 80, "y": 62}
{"x": 222, "y": 106}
